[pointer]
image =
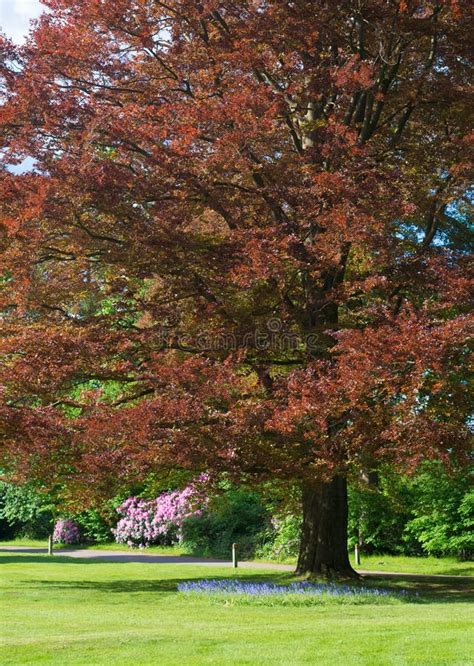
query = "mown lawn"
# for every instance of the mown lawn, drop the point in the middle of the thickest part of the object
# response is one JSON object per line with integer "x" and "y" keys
{"x": 448, "y": 566}
{"x": 65, "y": 611}
{"x": 43, "y": 543}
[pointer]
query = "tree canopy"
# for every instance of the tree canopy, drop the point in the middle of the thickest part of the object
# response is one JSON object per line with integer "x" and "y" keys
{"x": 244, "y": 245}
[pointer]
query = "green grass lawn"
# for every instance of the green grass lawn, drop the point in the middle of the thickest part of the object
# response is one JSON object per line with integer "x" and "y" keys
{"x": 448, "y": 566}
{"x": 66, "y": 611}
{"x": 43, "y": 543}
{"x": 29, "y": 543}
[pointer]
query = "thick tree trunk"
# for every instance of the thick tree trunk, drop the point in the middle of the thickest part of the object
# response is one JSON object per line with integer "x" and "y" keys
{"x": 323, "y": 549}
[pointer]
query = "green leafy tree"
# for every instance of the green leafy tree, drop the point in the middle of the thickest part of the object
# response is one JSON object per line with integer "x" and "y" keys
{"x": 443, "y": 510}
{"x": 27, "y": 512}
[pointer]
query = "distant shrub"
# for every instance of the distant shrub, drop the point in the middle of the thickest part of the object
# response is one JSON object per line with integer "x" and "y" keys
{"x": 24, "y": 512}
{"x": 235, "y": 516}
{"x": 94, "y": 527}
{"x": 282, "y": 538}
{"x": 378, "y": 514}
{"x": 66, "y": 531}
{"x": 158, "y": 521}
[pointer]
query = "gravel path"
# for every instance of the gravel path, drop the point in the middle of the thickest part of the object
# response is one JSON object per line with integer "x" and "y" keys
{"x": 120, "y": 556}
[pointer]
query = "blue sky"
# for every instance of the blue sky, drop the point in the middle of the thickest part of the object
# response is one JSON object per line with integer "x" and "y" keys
{"x": 15, "y": 16}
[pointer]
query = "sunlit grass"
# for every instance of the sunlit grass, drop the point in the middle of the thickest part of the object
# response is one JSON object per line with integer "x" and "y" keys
{"x": 65, "y": 611}
{"x": 421, "y": 565}
{"x": 448, "y": 566}
{"x": 111, "y": 545}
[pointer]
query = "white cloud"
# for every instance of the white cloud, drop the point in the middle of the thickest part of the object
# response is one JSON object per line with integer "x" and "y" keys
{"x": 15, "y": 17}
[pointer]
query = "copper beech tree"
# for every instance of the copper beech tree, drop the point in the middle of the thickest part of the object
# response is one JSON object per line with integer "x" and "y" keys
{"x": 242, "y": 248}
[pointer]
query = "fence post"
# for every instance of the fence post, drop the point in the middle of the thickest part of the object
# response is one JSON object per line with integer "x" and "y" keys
{"x": 357, "y": 554}
{"x": 235, "y": 564}
{"x": 50, "y": 544}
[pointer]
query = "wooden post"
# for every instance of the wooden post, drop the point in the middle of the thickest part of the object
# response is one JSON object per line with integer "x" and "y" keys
{"x": 235, "y": 564}
{"x": 50, "y": 544}
{"x": 357, "y": 555}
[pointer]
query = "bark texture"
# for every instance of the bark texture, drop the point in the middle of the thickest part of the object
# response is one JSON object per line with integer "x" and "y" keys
{"x": 323, "y": 549}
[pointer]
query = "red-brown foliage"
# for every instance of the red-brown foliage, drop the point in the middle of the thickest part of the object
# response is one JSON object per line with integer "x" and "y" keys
{"x": 229, "y": 255}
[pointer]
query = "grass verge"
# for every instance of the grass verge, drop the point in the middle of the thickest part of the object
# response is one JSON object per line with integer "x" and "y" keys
{"x": 447, "y": 566}
{"x": 67, "y": 611}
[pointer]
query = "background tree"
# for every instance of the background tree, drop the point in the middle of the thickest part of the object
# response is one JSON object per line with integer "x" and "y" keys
{"x": 243, "y": 248}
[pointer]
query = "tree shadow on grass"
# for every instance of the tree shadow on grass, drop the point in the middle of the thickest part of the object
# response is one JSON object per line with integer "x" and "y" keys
{"x": 436, "y": 593}
{"x": 116, "y": 586}
{"x": 41, "y": 559}
{"x": 429, "y": 590}
{"x": 467, "y": 571}
{"x": 108, "y": 558}
{"x": 169, "y": 585}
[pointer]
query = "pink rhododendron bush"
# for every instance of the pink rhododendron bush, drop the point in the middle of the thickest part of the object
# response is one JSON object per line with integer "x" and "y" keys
{"x": 159, "y": 521}
{"x": 66, "y": 531}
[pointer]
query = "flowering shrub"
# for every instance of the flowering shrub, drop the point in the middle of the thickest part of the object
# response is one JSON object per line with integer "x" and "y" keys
{"x": 158, "y": 521}
{"x": 66, "y": 531}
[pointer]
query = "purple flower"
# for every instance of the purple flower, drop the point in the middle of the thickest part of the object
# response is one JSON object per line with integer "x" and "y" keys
{"x": 241, "y": 587}
{"x": 66, "y": 531}
{"x": 160, "y": 520}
